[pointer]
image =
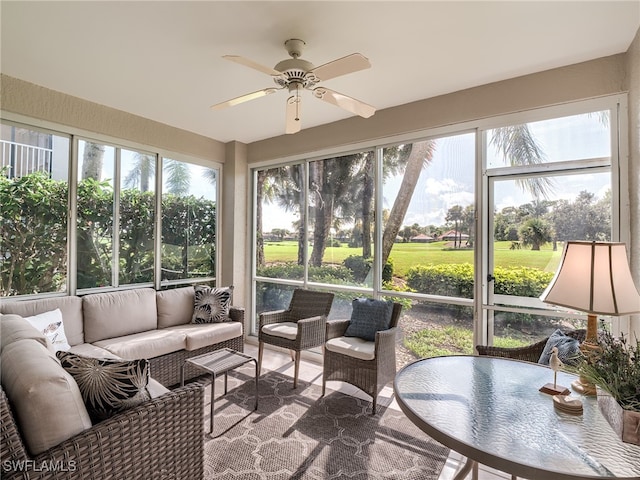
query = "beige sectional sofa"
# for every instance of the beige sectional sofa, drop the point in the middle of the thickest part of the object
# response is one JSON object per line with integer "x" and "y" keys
{"x": 46, "y": 431}
{"x": 139, "y": 323}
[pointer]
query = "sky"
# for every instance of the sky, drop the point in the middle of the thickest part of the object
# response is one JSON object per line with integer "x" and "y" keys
{"x": 450, "y": 178}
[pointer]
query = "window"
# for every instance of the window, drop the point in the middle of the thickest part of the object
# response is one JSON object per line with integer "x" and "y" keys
{"x": 189, "y": 204}
{"x": 464, "y": 226}
{"x": 34, "y": 168}
{"x": 549, "y": 181}
{"x": 111, "y": 210}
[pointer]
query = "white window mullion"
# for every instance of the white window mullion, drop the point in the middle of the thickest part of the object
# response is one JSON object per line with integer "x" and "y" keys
{"x": 115, "y": 258}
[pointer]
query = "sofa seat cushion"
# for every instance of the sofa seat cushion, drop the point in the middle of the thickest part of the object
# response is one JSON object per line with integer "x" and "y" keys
{"x": 203, "y": 335}
{"x": 70, "y": 306}
{"x": 150, "y": 344}
{"x": 90, "y": 350}
{"x": 46, "y": 400}
{"x": 175, "y": 306}
{"x": 14, "y": 328}
{"x": 288, "y": 330}
{"x": 353, "y": 347}
{"x": 114, "y": 314}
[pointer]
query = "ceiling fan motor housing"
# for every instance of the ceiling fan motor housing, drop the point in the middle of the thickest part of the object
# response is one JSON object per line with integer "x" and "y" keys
{"x": 294, "y": 70}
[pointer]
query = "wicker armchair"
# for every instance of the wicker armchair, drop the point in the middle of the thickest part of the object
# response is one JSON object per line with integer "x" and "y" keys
{"x": 529, "y": 353}
{"x": 369, "y": 375}
{"x": 300, "y": 327}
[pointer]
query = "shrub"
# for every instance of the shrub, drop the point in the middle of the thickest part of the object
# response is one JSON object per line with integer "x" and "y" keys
{"x": 360, "y": 268}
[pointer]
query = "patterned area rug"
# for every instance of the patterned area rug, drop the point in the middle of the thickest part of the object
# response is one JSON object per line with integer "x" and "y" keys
{"x": 296, "y": 434}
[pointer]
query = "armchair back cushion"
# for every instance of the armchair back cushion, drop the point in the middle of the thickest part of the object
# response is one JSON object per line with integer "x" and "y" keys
{"x": 115, "y": 314}
{"x": 71, "y": 308}
{"x": 368, "y": 317}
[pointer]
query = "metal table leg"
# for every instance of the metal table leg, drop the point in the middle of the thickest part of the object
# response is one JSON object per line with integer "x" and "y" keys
{"x": 213, "y": 391}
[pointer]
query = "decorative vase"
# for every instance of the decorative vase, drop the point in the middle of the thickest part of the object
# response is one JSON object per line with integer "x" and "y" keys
{"x": 625, "y": 423}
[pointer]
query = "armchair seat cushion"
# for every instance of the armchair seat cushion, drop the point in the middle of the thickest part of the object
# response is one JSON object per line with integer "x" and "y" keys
{"x": 353, "y": 347}
{"x": 288, "y": 330}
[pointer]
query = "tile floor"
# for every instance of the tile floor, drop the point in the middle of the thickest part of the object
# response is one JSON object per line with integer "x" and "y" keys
{"x": 311, "y": 371}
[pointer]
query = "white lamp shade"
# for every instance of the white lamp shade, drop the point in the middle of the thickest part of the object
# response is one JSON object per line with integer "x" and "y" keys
{"x": 594, "y": 277}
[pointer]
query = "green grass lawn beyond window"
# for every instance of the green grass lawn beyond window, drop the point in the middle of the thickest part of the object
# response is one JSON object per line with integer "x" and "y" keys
{"x": 451, "y": 340}
{"x": 407, "y": 255}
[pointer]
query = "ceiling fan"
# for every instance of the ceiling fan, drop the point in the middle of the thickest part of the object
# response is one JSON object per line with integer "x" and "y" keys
{"x": 295, "y": 74}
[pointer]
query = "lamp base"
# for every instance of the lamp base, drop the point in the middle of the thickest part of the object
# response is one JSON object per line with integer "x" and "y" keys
{"x": 584, "y": 387}
{"x": 551, "y": 389}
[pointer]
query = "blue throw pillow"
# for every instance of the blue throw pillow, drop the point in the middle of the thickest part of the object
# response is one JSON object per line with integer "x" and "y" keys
{"x": 368, "y": 317}
{"x": 568, "y": 349}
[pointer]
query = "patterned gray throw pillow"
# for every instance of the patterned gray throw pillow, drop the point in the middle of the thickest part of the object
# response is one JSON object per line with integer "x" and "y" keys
{"x": 211, "y": 305}
{"x": 568, "y": 349}
{"x": 107, "y": 386}
{"x": 368, "y": 317}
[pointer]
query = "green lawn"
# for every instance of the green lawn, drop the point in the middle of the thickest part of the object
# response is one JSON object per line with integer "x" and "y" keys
{"x": 451, "y": 340}
{"x": 406, "y": 255}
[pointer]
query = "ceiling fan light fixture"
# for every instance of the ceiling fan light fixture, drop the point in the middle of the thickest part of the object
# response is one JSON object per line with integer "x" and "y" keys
{"x": 296, "y": 74}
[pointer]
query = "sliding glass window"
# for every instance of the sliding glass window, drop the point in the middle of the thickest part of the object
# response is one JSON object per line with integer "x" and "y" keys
{"x": 34, "y": 189}
{"x": 189, "y": 213}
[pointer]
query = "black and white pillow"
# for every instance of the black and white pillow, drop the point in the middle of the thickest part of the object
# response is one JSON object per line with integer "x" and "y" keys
{"x": 107, "y": 386}
{"x": 211, "y": 305}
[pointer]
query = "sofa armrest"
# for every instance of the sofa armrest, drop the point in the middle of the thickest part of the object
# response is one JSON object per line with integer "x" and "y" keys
{"x": 237, "y": 314}
{"x": 162, "y": 438}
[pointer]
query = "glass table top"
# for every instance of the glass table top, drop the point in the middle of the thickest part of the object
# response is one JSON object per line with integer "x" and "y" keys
{"x": 490, "y": 410}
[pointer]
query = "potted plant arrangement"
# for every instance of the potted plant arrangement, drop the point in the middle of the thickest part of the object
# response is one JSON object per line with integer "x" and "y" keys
{"x": 615, "y": 370}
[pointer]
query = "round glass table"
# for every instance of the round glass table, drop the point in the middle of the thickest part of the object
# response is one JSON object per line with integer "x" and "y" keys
{"x": 490, "y": 411}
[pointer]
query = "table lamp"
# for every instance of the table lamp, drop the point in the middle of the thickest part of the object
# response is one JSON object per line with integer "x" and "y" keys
{"x": 593, "y": 277}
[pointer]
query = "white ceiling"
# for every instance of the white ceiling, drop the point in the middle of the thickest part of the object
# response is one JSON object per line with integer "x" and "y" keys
{"x": 162, "y": 60}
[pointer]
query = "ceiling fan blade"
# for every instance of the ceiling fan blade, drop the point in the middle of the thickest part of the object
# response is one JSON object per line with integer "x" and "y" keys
{"x": 251, "y": 64}
{"x": 342, "y": 66}
{"x": 293, "y": 123}
{"x": 245, "y": 98}
{"x": 343, "y": 101}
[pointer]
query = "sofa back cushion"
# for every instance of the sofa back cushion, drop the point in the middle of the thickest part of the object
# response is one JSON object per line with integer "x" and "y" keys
{"x": 46, "y": 400}
{"x": 175, "y": 306}
{"x": 114, "y": 314}
{"x": 14, "y": 328}
{"x": 71, "y": 308}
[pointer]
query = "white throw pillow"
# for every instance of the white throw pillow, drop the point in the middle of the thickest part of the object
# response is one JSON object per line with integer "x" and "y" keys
{"x": 51, "y": 326}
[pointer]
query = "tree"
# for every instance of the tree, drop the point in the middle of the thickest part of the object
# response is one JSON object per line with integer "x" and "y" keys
{"x": 419, "y": 154}
{"x": 535, "y": 232}
{"x": 92, "y": 161}
{"x": 455, "y": 215}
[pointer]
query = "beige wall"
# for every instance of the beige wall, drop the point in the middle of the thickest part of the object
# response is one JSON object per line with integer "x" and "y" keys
{"x": 33, "y": 101}
{"x": 633, "y": 85}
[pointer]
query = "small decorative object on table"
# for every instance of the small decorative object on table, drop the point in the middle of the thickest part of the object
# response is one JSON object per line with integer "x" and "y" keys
{"x": 554, "y": 388}
{"x": 568, "y": 404}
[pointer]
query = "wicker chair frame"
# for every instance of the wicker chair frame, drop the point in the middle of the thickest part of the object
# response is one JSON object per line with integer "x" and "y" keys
{"x": 161, "y": 439}
{"x": 309, "y": 310}
{"x": 529, "y": 353}
{"x": 370, "y": 376}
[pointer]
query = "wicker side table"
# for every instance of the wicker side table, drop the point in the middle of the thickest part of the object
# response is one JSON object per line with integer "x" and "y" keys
{"x": 216, "y": 363}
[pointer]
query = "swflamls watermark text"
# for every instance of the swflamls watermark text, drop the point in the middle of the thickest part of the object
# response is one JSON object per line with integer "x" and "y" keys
{"x": 43, "y": 466}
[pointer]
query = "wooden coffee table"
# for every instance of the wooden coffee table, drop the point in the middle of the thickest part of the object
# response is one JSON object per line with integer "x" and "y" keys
{"x": 216, "y": 363}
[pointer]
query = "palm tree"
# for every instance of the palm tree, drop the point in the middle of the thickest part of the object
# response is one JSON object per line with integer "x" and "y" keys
{"x": 92, "y": 161}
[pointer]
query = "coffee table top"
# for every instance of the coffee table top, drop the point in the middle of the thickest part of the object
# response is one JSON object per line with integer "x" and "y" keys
{"x": 490, "y": 410}
{"x": 220, "y": 361}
